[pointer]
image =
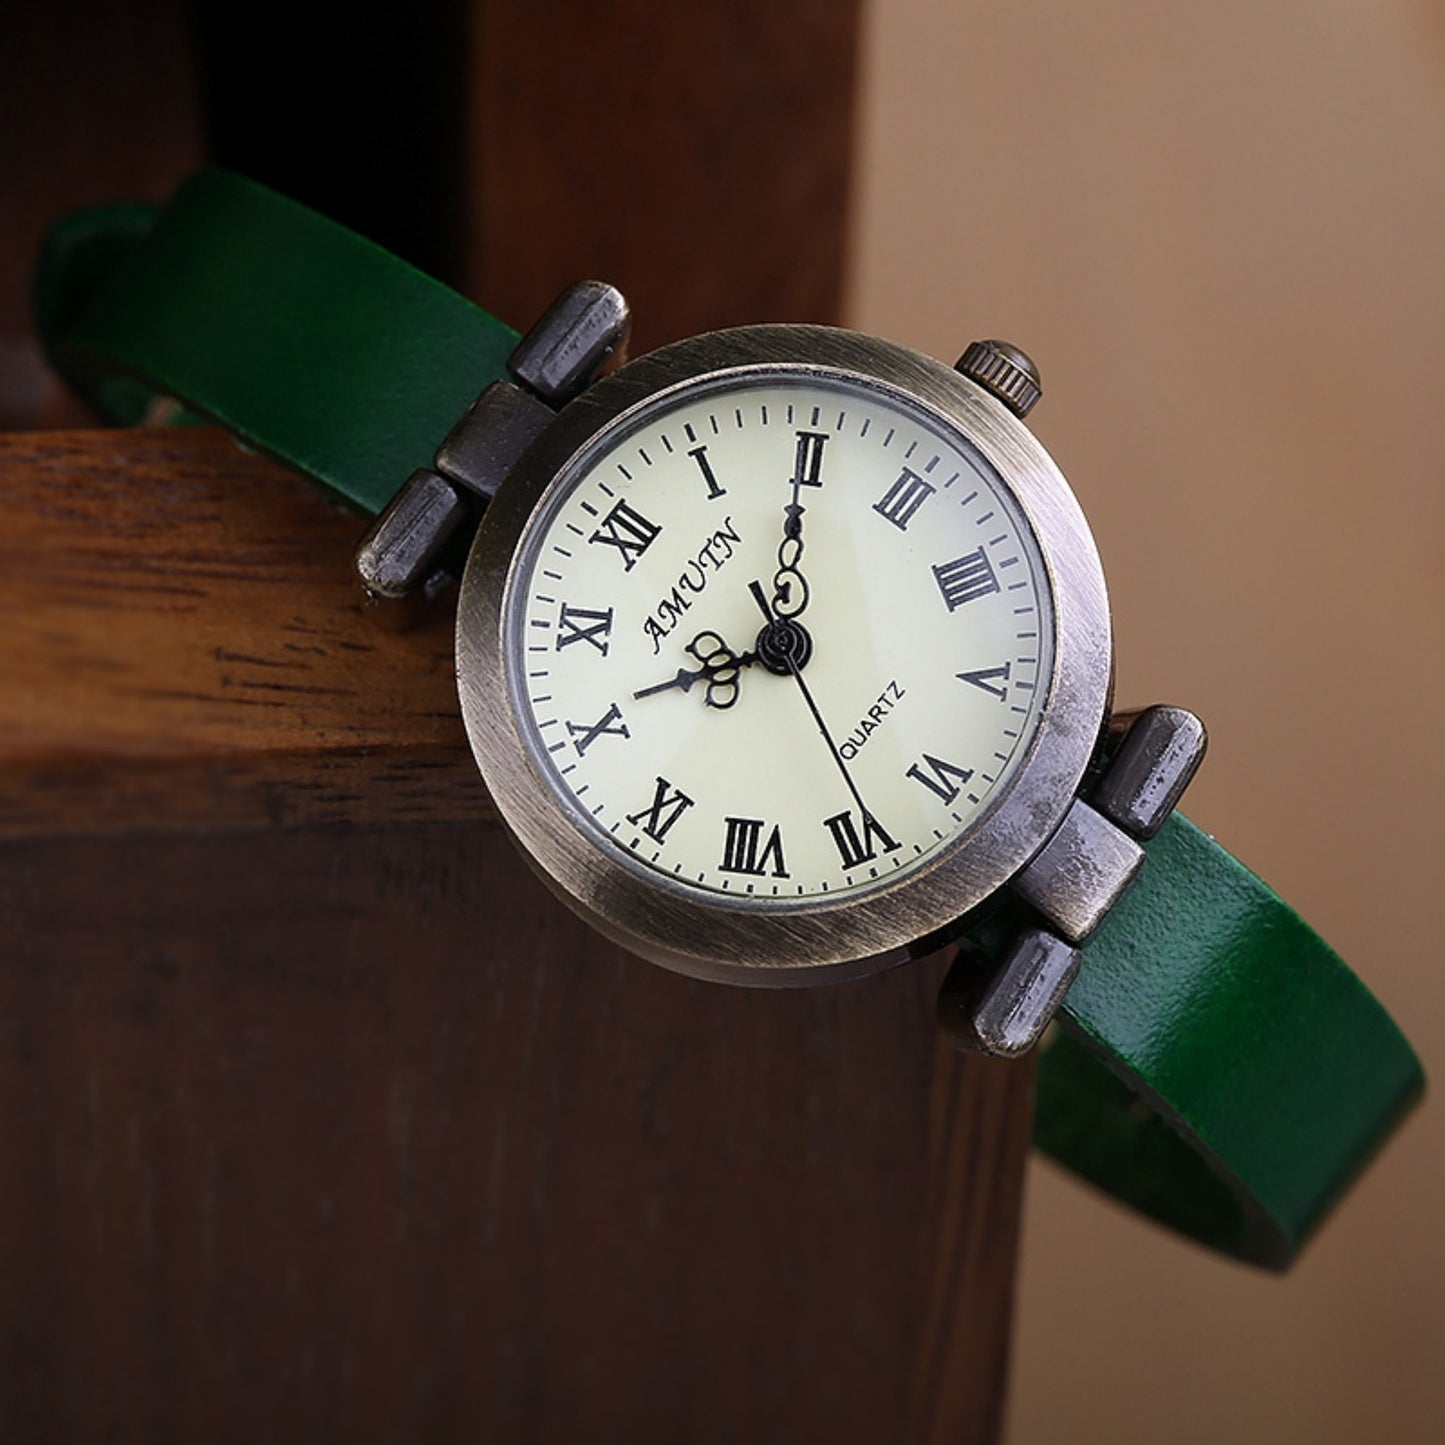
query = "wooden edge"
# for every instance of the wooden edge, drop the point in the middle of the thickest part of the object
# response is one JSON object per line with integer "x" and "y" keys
{"x": 186, "y": 648}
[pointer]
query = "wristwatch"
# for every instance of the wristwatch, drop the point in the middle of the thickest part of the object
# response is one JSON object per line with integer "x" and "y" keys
{"x": 785, "y": 655}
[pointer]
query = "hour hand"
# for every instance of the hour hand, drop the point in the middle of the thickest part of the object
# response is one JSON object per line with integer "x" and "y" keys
{"x": 684, "y": 679}
{"x": 720, "y": 668}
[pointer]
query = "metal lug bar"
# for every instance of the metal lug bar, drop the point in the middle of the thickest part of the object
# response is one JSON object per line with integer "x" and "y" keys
{"x": 579, "y": 333}
{"x": 1081, "y": 872}
{"x": 1148, "y": 775}
{"x": 400, "y": 560}
{"x": 409, "y": 555}
{"x": 494, "y": 431}
{"x": 1004, "y": 1010}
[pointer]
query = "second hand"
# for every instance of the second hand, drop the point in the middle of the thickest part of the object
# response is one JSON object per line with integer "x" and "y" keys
{"x": 760, "y": 598}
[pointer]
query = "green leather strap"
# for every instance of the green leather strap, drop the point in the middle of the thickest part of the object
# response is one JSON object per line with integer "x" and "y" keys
{"x": 1222, "y": 1071}
{"x": 303, "y": 338}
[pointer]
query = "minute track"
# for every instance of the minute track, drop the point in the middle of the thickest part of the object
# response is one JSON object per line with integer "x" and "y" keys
{"x": 833, "y": 460}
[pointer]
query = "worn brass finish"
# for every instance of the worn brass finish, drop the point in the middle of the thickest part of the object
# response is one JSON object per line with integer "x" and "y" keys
{"x": 1081, "y": 873}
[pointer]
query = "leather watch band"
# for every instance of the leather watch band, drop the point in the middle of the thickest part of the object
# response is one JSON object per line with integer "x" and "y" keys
{"x": 303, "y": 338}
{"x": 1220, "y": 1069}
{"x": 1266, "y": 1071}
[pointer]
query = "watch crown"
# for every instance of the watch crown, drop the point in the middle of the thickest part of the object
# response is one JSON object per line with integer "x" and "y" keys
{"x": 1007, "y": 372}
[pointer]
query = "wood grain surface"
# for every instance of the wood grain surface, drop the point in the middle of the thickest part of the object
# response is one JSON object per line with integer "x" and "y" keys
{"x": 185, "y": 646}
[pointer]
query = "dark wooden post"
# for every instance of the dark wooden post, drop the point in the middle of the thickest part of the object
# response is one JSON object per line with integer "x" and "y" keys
{"x": 321, "y": 1119}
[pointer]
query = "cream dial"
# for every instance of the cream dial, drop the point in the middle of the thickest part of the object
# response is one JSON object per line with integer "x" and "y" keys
{"x": 779, "y": 634}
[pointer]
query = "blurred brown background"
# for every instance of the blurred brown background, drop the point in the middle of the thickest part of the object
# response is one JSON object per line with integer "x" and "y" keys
{"x": 1219, "y": 230}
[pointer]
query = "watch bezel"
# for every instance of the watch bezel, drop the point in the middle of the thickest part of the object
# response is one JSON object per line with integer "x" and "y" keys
{"x": 738, "y": 940}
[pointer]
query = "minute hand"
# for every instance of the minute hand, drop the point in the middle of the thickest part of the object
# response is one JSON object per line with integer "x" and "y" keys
{"x": 761, "y": 599}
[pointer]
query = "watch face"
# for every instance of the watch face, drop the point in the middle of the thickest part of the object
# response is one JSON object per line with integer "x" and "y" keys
{"x": 779, "y": 636}
{"x": 774, "y": 644}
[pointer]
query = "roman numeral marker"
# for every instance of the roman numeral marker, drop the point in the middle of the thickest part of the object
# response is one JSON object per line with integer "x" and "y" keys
{"x": 741, "y": 853}
{"x": 904, "y": 498}
{"x": 628, "y": 530}
{"x": 965, "y": 579}
{"x": 699, "y": 455}
{"x": 985, "y": 678}
{"x": 667, "y": 806}
{"x": 808, "y": 460}
{"x": 610, "y": 722}
{"x": 584, "y": 624}
{"x": 852, "y": 848}
{"x": 941, "y": 772}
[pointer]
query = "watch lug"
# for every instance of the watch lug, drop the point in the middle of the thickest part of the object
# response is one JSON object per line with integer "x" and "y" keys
{"x": 1003, "y": 1008}
{"x": 401, "y": 560}
{"x": 1147, "y": 775}
{"x": 410, "y": 554}
{"x": 494, "y": 431}
{"x": 580, "y": 334}
{"x": 1081, "y": 872}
